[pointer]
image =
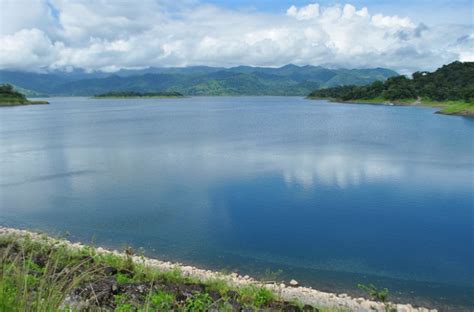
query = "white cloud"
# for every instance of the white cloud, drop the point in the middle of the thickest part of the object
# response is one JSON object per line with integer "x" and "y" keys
{"x": 307, "y": 12}
{"x": 29, "y": 47}
{"x": 391, "y": 21}
{"x": 109, "y": 35}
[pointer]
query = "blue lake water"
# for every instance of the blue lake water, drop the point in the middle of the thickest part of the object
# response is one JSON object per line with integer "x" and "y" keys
{"x": 331, "y": 194}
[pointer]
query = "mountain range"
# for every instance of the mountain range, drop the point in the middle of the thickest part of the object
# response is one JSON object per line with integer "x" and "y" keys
{"x": 196, "y": 80}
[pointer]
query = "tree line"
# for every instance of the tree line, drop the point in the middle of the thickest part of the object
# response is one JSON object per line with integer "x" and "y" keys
{"x": 7, "y": 91}
{"x": 452, "y": 82}
{"x": 139, "y": 94}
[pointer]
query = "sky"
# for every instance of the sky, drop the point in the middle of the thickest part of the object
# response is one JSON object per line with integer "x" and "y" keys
{"x": 109, "y": 35}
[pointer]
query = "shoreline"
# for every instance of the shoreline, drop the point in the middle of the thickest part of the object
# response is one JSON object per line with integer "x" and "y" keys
{"x": 445, "y": 108}
{"x": 34, "y": 102}
{"x": 305, "y": 295}
{"x": 136, "y": 97}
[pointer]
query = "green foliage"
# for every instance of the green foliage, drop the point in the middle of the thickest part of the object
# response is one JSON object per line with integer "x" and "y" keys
{"x": 123, "y": 279}
{"x": 198, "y": 302}
{"x": 450, "y": 82}
{"x": 7, "y": 91}
{"x": 122, "y": 304}
{"x": 263, "y": 296}
{"x": 374, "y": 292}
{"x": 30, "y": 283}
{"x": 218, "y": 285}
{"x": 10, "y": 97}
{"x": 174, "y": 275}
{"x": 162, "y": 301}
{"x": 256, "y": 296}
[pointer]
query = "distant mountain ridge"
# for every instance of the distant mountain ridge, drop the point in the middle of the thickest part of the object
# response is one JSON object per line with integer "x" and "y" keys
{"x": 197, "y": 80}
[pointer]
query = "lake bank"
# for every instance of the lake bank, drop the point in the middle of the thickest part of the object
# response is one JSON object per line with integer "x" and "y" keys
{"x": 456, "y": 108}
{"x": 10, "y": 97}
{"x": 137, "y": 95}
{"x": 289, "y": 295}
{"x": 14, "y": 103}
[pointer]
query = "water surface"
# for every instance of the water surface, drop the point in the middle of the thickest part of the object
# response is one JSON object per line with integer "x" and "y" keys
{"x": 332, "y": 194}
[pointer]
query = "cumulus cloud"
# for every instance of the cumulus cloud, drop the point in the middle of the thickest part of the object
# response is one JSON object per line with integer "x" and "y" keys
{"x": 29, "y": 47}
{"x": 108, "y": 35}
{"x": 304, "y": 13}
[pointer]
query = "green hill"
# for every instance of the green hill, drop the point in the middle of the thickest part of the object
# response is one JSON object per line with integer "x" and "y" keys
{"x": 10, "y": 97}
{"x": 198, "y": 80}
{"x": 450, "y": 87}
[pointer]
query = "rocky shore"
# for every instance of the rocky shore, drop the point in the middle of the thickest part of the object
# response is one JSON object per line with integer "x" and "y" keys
{"x": 290, "y": 292}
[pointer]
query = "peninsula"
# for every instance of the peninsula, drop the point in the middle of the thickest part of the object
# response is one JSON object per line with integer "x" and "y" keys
{"x": 450, "y": 88}
{"x": 10, "y": 97}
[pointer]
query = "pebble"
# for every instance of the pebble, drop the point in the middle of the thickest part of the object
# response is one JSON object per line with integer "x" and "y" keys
{"x": 294, "y": 283}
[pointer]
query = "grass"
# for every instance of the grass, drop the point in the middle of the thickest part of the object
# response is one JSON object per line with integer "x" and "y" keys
{"x": 26, "y": 285}
{"x": 447, "y": 107}
{"x": 451, "y": 107}
{"x": 43, "y": 275}
{"x": 162, "y": 300}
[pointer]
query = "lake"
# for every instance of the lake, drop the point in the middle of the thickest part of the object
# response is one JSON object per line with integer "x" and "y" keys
{"x": 331, "y": 194}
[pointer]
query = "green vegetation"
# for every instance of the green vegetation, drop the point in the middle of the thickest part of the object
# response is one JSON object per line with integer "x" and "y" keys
{"x": 39, "y": 274}
{"x": 374, "y": 292}
{"x": 378, "y": 295}
{"x": 451, "y": 87}
{"x": 132, "y": 94}
{"x": 216, "y": 81}
{"x": 10, "y": 97}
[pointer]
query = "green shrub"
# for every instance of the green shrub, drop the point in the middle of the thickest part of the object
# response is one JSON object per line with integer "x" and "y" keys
{"x": 198, "y": 302}
{"x": 162, "y": 301}
{"x": 374, "y": 292}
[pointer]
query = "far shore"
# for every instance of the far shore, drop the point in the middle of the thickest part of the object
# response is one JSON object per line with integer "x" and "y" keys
{"x": 289, "y": 292}
{"x": 139, "y": 97}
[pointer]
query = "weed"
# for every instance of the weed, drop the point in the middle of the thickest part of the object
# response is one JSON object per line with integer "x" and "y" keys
{"x": 162, "y": 301}
{"x": 122, "y": 304}
{"x": 256, "y": 296}
{"x": 198, "y": 302}
{"x": 374, "y": 292}
{"x": 123, "y": 279}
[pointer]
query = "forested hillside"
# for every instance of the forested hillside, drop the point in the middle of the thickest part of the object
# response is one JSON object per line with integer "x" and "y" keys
{"x": 11, "y": 97}
{"x": 453, "y": 82}
{"x": 199, "y": 80}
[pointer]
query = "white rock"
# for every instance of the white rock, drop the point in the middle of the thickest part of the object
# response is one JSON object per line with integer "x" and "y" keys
{"x": 294, "y": 283}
